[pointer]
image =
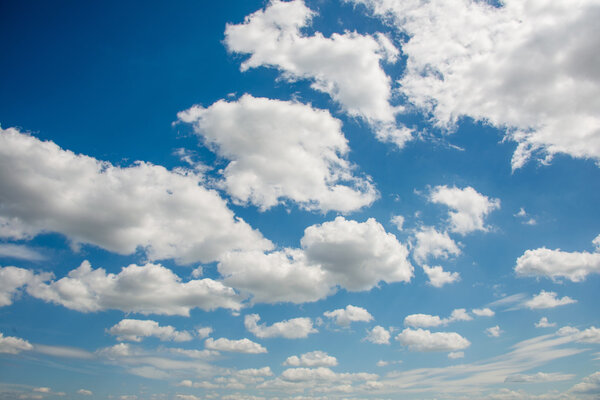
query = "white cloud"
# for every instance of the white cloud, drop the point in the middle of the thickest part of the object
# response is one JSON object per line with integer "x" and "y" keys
{"x": 427, "y": 321}
{"x": 453, "y": 355}
{"x": 589, "y": 335}
{"x": 281, "y": 150}
{"x": 236, "y": 346}
{"x": 345, "y": 316}
{"x": 135, "y": 330}
{"x": 12, "y": 279}
{"x": 382, "y": 363}
{"x": 313, "y": 359}
{"x": 21, "y": 252}
{"x": 42, "y": 390}
{"x": 547, "y": 300}
{"x": 555, "y": 264}
{"x": 543, "y": 323}
{"x": 526, "y": 219}
{"x": 398, "y": 221}
{"x": 13, "y": 345}
{"x": 294, "y": 328}
{"x": 538, "y": 377}
{"x": 589, "y": 385}
{"x": 346, "y": 253}
{"x": 469, "y": 207}
{"x": 438, "y": 277}
{"x": 204, "y": 332}
{"x": 523, "y": 66}
{"x": 166, "y": 213}
{"x": 483, "y": 312}
{"x": 424, "y": 340}
{"x": 63, "y": 351}
{"x": 146, "y": 289}
{"x": 493, "y": 331}
{"x": 378, "y": 335}
{"x": 431, "y": 243}
{"x": 322, "y": 374}
{"x": 345, "y": 66}
{"x": 85, "y": 392}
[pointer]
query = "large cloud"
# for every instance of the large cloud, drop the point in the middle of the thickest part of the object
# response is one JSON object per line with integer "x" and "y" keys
{"x": 294, "y": 328}
{"x": 146, "y": 289}
{"x": 281, "y": 150}
{"x": 346, "y": 253}
{"x": 529, "y": 67}
{"x": 345, "y": 66}
{"x": 44, "y": 188}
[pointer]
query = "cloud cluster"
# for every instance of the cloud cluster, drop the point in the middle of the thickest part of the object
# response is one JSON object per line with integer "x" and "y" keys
{"x": 345, "y": 66}
{"x": 281, "y": 150}
{"x": 313, "y": 359}
{"x": 520, "y": 66}
{"x": 427, "y": 321}
{"x": 166, "y": 213}
{"x": 294, "y": 328}
{"x": 135, "y": 330}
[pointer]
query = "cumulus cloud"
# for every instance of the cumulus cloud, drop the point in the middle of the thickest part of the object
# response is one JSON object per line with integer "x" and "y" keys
{"x": 345, "y": 316}
{"x": 469, "y": 207}
{"x": 135, "y": 330}
{"x": 493, "y": 331}
{"x": 313, "y": 359}
{"x": 427, "y": 321}
{"x": 548, "y": 300}
{"x": 438, "y": 277}
{"x": 13, "y": 345}
{"x": 146, "y": 289}
{"x": 556, "y": 264}
{"x": 345, "y": 66}
{"x": 589, "y": 335}
{"x": 166, "y": 213}
{"x": 378, "y": 335}
{"x": 431, "y": 243}
{"x": 398, "y": 221}
{"x": 483, "y": 312}
{"x": 588, "y": 385}
{"x": 294, "y": 328}
{"x": 543, "y": 323}
{"x": 281, "y": 150}
{"x": 346, "y": 253}
{"x": 12, "y": 279}
{"x": 522, "y": 66}
{"x": 204, "y": 332}
{"x": 235, "y": 346}
{"x": 424, "y": 340}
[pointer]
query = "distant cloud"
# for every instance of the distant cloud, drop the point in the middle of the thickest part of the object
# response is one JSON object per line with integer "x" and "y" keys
{"x": 313, "y": 359}
{"x": 483, "y": 312}
{"x": 135, "y": 330}
{"x": 493, "y": 331}
{"x": 424, "y": 340}
{"x": 236, "y": 346}
{"x": 427, "y": 321}
{"x": 543, "y": 323}
{"x": 345, "y": 316}
{"x": 295, "y": 328}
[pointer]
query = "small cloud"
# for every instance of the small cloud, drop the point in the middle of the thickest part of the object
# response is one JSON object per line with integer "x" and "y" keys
{"x": 494, "y": 331}
{"x": 456, "y": 354}
{"x": 543, "y": 323}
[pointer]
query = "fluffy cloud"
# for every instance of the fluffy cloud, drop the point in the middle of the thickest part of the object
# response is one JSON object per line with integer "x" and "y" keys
{"x": 11, "y": 280}
{"x": 167, "y": 213}
{"x": 554, "y": 264}
{"x": 353, "y": 255}
{"x": 146, "y": 289}
{"x": 378, "y": 335}
{"x": 493, "y": 331}
{"x": 543, "y": 323}
{"x": 483, "y": 312}
{"x": 135, "y": 330}
{"x": 589, "y": 385}
{"x": 345, "y": 66}
{"x": 427, "y": 321}
{"x": 13, "y": 345}
{"x": 322, "y": 374}
{"x": 313, "y": 359}
{"x": 236, "y": 346}
{"x": 547, "y": 300}
{"x": 431, "y": 243}
{"x": 398, "y": 221}
{"x": 438, "y": 277}
{"x": 345, "y": 316}
{"x": 589, "y": 335}
{"x": 281, "y": 150}
{"x": 424, "y": 340}
{"x": 294, "y": 328}
{"x": 469, "y": 207}
{"x": 453, "y": 355}
{"x": 521, "y": 66}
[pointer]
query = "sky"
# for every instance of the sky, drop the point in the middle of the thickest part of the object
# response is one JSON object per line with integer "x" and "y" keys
{"x": 346, "y": 199}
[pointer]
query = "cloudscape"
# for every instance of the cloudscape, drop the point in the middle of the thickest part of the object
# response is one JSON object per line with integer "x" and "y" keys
{"x": 300, "y": 199}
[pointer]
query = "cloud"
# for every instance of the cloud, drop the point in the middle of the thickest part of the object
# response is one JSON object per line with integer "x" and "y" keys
{"x": 313, "y": 359}
{"x": 538, "y": 377}
{"x": 166, "y": 213}
{"x": 589, "y": 385}
{"x": 424, "y": 340}
{"x": 322, "y": 374}
{"x": 547, "y": 300}
{"x": 398, "y": 221}
{"x": 345, "y": 316}
{"x": 469, "y": 207}
{"x": 12, "y": 279}
{"x": 427, "y": 321}
{"x": 237, "y": 346}
{"x": 438, "y": 277}
{"x": 85, "y": 392}
{"x": 453, "y": 355}
{"x": 493, "y": 331}
{"x": 483, "y": 312}
{"x": 555, "y": 264}
{"x": 378, "y": 335}
{"x": 13, "y": 345}
{"x": 345, "y": 66}
{"x": 295, "y": 328}
{"x": 589, "y": 335}
{"x": 20, "y": 252}
{"x": 456, "y": 68}
{"x": 135, "y": 330}
{"x": 431, "y": 243}
{"x": 204, "y": 332}
{"x": 543, "y": 323}
{"x": 63, "y": 351}
{"x": 281, "y": 150}
{"x": 346, "y": 253}
{"x": 145, "y": 289}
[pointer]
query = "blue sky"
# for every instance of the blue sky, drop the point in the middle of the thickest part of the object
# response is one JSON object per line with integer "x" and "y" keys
{"x": 312, "y": 200}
